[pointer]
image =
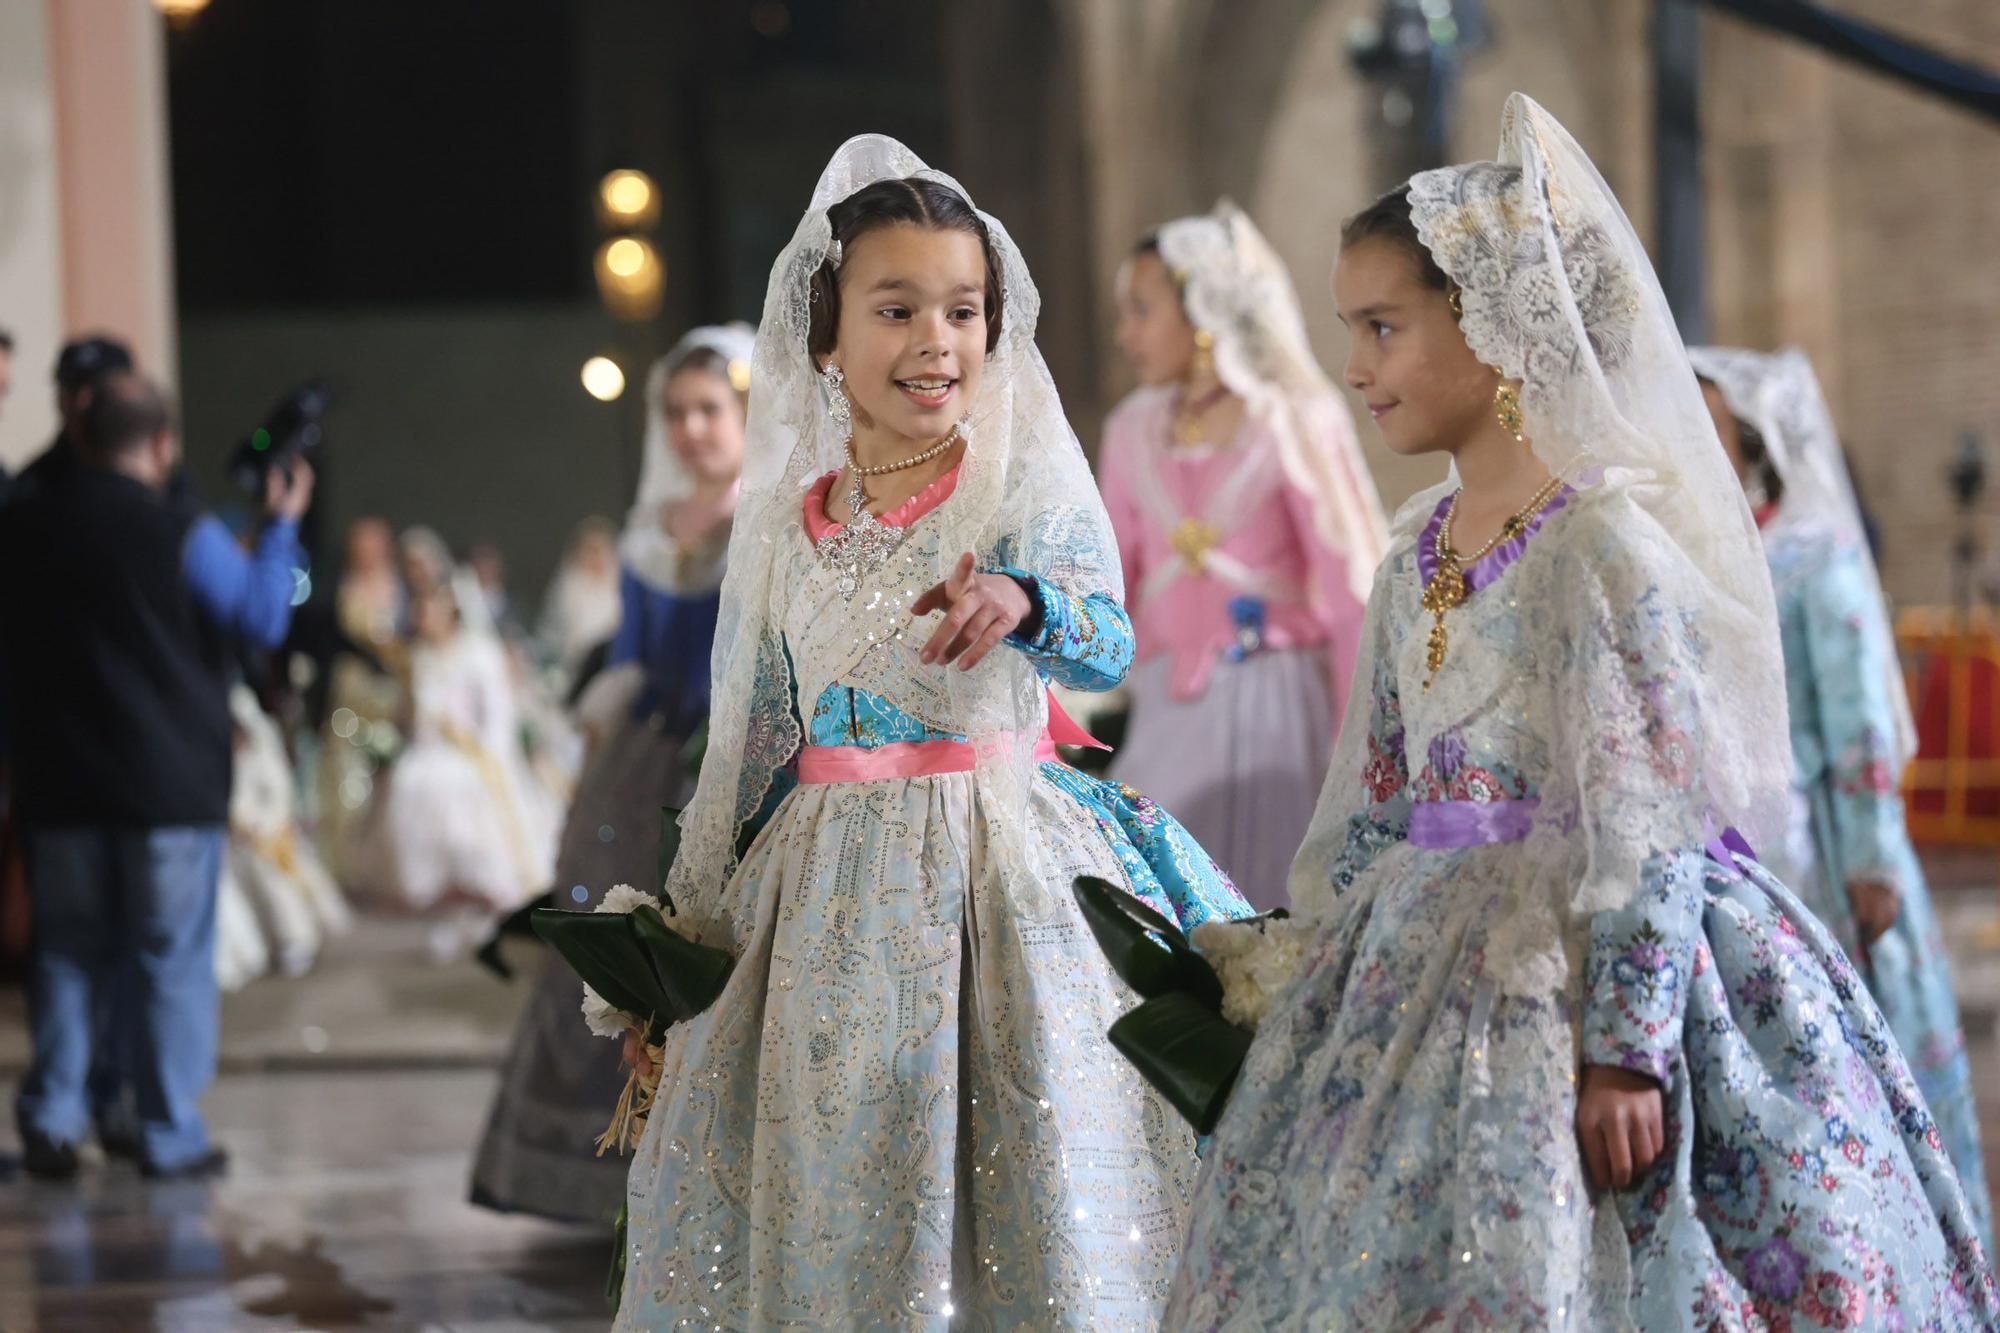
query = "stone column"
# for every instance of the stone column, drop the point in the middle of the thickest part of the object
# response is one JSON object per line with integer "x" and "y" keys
{"x": 108, "y": 74}
{"x": 31, "y": 298}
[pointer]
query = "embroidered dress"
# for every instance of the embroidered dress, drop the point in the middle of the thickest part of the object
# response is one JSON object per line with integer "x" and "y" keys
{"x": 902, "y": 1111}
{"x": 1401, "y": 1146}
{"x": 1849, "y": 822}
{"x": 1534, "y": 854}
{"x": 1852, "y": 733}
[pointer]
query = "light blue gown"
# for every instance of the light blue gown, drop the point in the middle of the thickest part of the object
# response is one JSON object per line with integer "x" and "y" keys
{"x": 1850, "y": 825}
{"x": 902, "y": 1111}
{"x": 1400, "y": 1152}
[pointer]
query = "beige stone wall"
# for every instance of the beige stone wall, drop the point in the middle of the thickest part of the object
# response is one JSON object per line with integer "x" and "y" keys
{"x": 1862, "y": 221}
{"x": 1846, "y": 214}
{"x": 1265, "y": 107}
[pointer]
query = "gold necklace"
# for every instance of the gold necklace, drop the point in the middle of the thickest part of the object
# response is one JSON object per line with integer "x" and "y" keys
{"x": 1188, "y": 414}
{"x": 1447, "y": 587}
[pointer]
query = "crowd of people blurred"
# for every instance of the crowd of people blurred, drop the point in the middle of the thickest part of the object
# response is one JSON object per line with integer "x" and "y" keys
{"x": 220, "y": 763}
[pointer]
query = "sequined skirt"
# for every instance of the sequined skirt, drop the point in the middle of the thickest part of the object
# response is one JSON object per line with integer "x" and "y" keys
{"x": 903, "y": 1111}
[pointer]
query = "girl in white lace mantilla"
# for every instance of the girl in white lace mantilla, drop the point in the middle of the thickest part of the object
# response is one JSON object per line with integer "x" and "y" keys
{"x": 1249, "y": 531}
{"x": 902, "y": 1110}
{"x": 1562, "y": 1054}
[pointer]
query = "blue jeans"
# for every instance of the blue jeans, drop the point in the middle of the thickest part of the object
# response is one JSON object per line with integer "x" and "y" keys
{"x": 124, "y": 951}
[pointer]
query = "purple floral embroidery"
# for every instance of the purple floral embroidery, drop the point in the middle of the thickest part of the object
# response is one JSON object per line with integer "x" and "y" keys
{"x": 1447, "y": 752}
{"x": 1775, "y": 1270}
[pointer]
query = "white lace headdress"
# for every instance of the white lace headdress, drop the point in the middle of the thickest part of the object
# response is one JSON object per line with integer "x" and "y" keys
{"x": 1236, "y": 289}
{"x": 1024, "y": 494}
{"x": 662, "y": 475}
{"x": 1778, "y": 393}
{"x": 1558, "y": 293}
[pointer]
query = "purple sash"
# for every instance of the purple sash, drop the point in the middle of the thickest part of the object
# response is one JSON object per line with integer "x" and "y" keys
{"x": 1447, "y": 825}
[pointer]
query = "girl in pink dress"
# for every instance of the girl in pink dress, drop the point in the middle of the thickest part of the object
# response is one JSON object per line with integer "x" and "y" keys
{"x": 1249, "y": 529}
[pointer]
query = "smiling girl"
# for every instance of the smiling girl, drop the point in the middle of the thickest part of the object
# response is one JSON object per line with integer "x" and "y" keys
{"x": 902, "y": 1110}
{"x": 1562, "y": 1054}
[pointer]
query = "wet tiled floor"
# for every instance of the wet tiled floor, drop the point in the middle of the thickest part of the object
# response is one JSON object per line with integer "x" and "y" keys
{"x": 351, "y": 1100}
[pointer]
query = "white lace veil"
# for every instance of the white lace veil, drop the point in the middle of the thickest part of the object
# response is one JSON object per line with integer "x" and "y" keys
{"x": 662, "y": 476}
{"x": 1024, "y": 495}
{"x": 1778, "y": 393}
{"x": 1558, "y": 293}
{"x": 1236, "y": 289}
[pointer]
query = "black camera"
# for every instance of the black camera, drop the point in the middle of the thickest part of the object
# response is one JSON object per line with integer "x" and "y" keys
{"x": 294, "y": 429}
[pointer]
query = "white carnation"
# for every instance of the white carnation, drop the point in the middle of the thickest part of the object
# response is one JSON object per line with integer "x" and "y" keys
{"x": 1256, "y": 961}
{"x": 602, "y": 1019}
{"x": 624, "y": 898}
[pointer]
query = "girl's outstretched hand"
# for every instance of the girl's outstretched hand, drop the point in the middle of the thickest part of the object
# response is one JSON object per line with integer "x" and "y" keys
{"x": 1620, "y": 1125}
{"x": 980, "y": 610}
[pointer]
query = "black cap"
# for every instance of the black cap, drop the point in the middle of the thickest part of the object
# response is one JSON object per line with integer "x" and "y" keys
{"x": 85, "y": 359}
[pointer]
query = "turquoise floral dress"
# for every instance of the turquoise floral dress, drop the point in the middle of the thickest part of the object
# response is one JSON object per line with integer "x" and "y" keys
{"x": 1849, "y": 819}
{"x": 1400, "y": 1151}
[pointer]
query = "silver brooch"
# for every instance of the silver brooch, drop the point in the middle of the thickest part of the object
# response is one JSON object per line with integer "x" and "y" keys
{"x": 858, "y": 548}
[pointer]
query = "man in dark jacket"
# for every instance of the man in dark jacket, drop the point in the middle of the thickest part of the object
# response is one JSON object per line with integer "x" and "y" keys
{"x": 119, "y": 605}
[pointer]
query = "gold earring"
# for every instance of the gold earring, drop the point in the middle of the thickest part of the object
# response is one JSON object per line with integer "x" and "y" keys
{"x": 1204, "y": 353}
{"x": 1507, "y": 407}
{"x": 1454, "y": 297}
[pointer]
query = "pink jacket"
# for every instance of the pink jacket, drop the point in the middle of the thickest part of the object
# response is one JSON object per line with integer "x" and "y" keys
{"x": 1199, "y": 527}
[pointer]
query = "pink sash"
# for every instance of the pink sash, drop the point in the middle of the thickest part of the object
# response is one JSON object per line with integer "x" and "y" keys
{"x": 928, "y": 759}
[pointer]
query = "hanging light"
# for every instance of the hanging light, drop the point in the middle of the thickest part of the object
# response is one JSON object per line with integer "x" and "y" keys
{"x": 602, "y": 379}
{"x": 628, "y": 200}
{"x": 631, "y": 277}
{"x": 180, "y": 11}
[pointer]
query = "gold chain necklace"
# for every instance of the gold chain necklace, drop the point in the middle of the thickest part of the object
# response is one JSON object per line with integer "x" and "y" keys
{"x": 1447, "y": 587}
{"x": 1188, "y": 414}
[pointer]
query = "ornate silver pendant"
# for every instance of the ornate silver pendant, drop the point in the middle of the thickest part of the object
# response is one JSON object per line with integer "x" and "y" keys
{"x": 861, "y": 546}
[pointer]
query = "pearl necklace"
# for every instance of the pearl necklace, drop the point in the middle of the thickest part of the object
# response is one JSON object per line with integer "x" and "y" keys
{"x": 951, "y": 437}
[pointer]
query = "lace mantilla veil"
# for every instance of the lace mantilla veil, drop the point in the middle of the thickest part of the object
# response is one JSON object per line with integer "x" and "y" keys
{"x": 1558, "y": 293}
{"x": 1236, "y": 289}
{"x": 1025, "y": 497}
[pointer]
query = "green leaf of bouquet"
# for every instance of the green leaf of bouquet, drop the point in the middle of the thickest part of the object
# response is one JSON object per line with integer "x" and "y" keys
{"x": 1186, "y": 1051}
{"x": 1145, "y": 949}
{"x": 695, "y": 750}
{"x": 690, "y": 975}
{"x": 605, "y": 952}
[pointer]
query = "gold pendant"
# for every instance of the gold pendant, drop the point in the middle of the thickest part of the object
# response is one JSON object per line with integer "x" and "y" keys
{"x": 1194, "y": 538}
{"x": 1445, "y": 591}
{"x": 1446, "y": 588}
{"x": 1435, "y": 650}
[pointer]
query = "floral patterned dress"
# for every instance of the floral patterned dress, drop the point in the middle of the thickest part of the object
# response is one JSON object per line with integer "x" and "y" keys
{"x": 902, "y": 1111}
{"x": 1400, "y": 1151}
{"x": 1849, "y": 823}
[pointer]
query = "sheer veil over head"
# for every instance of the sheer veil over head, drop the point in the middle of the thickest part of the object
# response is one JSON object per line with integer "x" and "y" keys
{"x": 1236, "y": 289}
{"x": 662, "y": 475}
{"x": 1558, "y": 293}
{"x": 1778, "y": 393}
{"x": 1024, "y": 497}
